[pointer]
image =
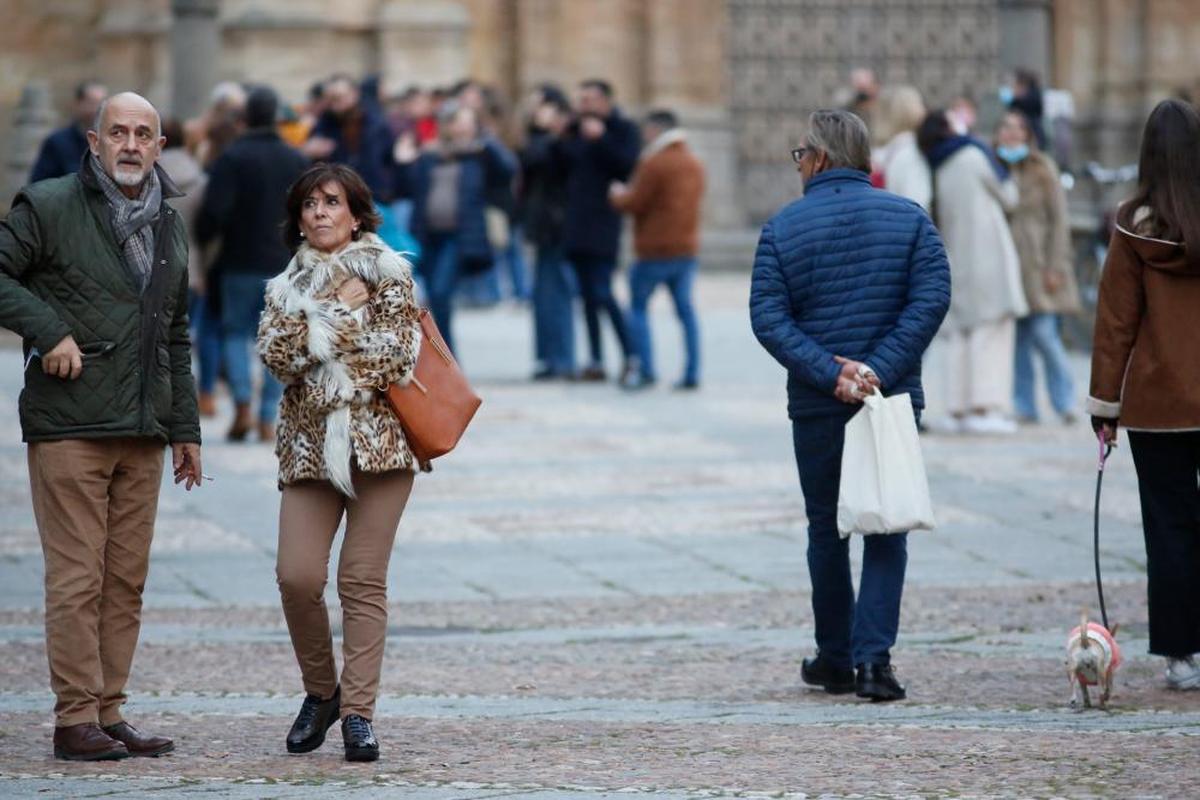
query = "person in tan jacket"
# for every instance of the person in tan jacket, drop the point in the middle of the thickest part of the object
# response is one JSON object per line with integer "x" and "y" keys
{"x": 664, "y": 198}
{"x": 1041, "y": 231}
{"x": 1146, "y": 373}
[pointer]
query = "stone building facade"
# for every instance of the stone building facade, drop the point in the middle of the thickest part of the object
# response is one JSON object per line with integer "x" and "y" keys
{"x": 743, "y": 73}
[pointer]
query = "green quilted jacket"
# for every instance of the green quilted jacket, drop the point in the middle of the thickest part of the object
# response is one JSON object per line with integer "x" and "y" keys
{"x": 62, "y": 273}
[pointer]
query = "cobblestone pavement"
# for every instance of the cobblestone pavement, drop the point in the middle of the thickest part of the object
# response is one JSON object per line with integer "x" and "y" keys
{"x": 604, "y": 594}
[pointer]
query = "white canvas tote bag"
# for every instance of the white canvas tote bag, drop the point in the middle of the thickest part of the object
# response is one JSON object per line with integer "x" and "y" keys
{"x": 883, "y": 488}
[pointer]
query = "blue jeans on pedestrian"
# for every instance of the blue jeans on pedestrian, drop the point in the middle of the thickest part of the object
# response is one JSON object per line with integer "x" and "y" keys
{"x": 514, "y": 260}
{"x": 1040, "y": 332}
{"x": 242, "y": 302}
{"x": 679, "y": 275}
{"x": 595, "y": 287}
{"x": 849, "y": 632}
{"x": 554, "y": 311}
{"x": 206, "y": 333}
{"x": 439, "y": 265}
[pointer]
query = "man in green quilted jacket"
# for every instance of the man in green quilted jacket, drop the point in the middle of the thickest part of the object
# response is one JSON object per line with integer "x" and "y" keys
{"x": 93, "y": 277}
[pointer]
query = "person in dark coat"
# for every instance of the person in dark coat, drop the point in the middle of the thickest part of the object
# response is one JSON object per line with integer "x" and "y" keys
{"x": 353, "y": 131}
{"x": 244, "y": 208}
{"x": 850, "y": 284}
{"x": 542, "y": 211}
{"x": 600, "y": 147}
{"x": 449, "y": 187}
{"x": 62, "y": 151}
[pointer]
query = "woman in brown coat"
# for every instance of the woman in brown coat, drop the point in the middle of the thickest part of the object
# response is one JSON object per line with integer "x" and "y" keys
{"x": 340, "y": 324}
{"x": 1041, "y": 231}
{"x": 1146, "y": 373}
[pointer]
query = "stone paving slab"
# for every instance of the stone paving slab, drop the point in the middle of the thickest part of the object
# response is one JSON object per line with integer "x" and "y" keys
{"x": 603, "y": 594}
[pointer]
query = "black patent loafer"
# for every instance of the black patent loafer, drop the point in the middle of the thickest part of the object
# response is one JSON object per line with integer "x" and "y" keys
{"x": 315, "y": 718}
{"x": 359, "y": 739}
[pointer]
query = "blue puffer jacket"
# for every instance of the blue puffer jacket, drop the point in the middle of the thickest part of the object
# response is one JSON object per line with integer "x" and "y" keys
{"x": 853, "y": 271}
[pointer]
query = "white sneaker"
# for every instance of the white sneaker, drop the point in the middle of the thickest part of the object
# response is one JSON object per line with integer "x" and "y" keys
{"x": 1183, "y": 673}
{"x": 989, "y": 424}
{"x": 946, "y": 426}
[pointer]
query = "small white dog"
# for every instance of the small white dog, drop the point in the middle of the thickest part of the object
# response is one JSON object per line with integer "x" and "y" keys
{"x": 1092, "y": 658}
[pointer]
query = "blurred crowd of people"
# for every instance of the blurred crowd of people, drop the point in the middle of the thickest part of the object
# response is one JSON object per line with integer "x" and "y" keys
{"x": 466, "y": 186}
{"x": 998, "y": 200}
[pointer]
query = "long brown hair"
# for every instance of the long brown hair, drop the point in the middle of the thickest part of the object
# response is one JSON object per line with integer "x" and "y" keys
{"x": 1169, "y": 176}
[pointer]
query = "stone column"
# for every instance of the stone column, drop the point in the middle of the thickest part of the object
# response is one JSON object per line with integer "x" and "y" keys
{"x": 1025, "y": 34}
{"x": 31, "y": 121}
{"x": 195, "y": 55}
{"x": 423, "y": 41}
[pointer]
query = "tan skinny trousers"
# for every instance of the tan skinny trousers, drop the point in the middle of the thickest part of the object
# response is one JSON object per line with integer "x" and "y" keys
{"x": 94, "y": 501}
{"x": 309, "y": 515}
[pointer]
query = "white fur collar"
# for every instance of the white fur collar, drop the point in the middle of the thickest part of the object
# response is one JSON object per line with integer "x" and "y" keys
{"x": 663, "y": 141}
{"x": 310, "y": 271}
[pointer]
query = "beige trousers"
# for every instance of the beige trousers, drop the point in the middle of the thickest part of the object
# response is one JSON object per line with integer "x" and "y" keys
{"x": 309, "y": 515}
{"x": 979, "y": 367}
{"x": 94, "y": 501}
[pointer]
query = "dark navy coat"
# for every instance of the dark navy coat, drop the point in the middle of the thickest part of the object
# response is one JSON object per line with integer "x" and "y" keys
{"x": 853, "y": 271}
{"x": 373, "y": 158}
{"x": 483, "y": 173}
{"x": 61, "y": 154}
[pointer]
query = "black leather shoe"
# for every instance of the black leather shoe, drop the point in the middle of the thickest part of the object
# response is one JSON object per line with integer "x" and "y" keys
{"x": 359, "y": 738}
{"x": 878, "y": 682}
{"x": 819, "y": 672}
{"x": 316, "y": 716}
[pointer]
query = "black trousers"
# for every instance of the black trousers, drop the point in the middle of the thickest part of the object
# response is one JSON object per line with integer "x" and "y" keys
{"x": 1167, "y": 468}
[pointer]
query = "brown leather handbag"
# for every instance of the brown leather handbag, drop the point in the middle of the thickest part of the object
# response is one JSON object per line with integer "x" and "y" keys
{"x": 437, "y": 404}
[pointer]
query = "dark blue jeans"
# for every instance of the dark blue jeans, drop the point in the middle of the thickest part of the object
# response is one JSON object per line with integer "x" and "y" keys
{"x": 440, "y": 267}
{"x": 849, "y": 632}
{"x": 242, "y": 303}
{"x": 206, "y": 341}
{"x": 595, "y": 287}
{"x": 554, "y": 311}
{"x": 679, "y": 274}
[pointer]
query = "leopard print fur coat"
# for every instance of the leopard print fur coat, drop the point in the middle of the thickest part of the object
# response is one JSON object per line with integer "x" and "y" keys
{"x": 334, "y": 362}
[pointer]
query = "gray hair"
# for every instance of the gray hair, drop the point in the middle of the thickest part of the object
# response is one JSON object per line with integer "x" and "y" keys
{"x": 104, "y": 107}
{"x": 842, "y": 136}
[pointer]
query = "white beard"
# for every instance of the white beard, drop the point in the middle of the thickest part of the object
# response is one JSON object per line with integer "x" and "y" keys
{"x": 123, "y": 176}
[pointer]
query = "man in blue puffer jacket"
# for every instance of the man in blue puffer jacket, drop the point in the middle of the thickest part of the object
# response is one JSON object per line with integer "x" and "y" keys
{"x": 850, "y": 285}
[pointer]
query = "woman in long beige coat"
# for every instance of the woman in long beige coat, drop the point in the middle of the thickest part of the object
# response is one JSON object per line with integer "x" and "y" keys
{"x": 1041, "y": 232}
{"x": 971, "y": 195}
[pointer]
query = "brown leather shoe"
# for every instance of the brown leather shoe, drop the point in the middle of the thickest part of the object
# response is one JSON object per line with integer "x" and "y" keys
{"x": 139, "y": 744}
{"x": 266, "y": 432}
{"x": 87, "y": 742}
{"x": 243, "y": 423}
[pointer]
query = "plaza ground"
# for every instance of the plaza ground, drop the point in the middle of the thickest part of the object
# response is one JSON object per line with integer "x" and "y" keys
{"x": 604, "y": 594}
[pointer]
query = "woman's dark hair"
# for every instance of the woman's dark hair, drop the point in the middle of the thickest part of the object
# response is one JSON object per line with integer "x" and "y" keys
{"x": 933, "y": 130}
{"x": 358, "y": 198}
{"x": 172, "y": 131}
{"x": 1169, "y": 175}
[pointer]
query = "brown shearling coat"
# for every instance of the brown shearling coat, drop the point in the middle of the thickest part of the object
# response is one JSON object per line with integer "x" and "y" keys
{"x": 664, "y": 198}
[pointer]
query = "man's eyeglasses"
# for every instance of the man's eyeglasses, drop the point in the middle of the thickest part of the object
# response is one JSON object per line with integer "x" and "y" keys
{"x": 799, "y": 153}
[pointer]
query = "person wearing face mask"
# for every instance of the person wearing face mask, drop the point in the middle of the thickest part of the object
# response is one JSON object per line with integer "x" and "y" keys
{"x": 1041, "y": 232}
{"x": 850, "y": 284}
{"x": 972, "y": 192}
{"x": 450, "y": 186}
{"x": 340, "y": 323}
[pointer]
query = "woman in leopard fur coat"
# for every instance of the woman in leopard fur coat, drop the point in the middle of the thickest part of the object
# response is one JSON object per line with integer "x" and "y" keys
{"x": 340, "y": 325}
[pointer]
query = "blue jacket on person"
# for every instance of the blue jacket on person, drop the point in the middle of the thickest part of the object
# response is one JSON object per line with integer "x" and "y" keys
{"x": 61, "y": 154}
{"x": 483, "y": 172}
{"x": 848, "y": 270}
{"x": 372, "y": 158}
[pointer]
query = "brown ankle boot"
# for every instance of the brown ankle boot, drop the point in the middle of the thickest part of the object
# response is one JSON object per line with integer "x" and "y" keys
{"x": 243, "y": 423}
{"x": 206, "y": 404}
{"x": 87, "y": 742}
{"x": 266, "y": 432}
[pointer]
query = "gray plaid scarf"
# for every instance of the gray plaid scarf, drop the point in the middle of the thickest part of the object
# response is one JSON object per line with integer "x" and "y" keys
{"x": 133, "y": 220}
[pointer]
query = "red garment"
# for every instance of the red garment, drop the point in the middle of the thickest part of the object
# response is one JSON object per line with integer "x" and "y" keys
{"x": 1099, "y": 635}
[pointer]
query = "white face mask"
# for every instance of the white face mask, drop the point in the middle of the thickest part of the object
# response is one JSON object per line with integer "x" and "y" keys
{"x": 958, "y": 124}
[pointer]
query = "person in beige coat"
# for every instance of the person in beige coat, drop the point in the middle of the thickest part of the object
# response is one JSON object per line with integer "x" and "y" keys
{"x": 972, "y": 192}
{"x": 1041, "y": 232}
{"x": 899, "y": 165}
